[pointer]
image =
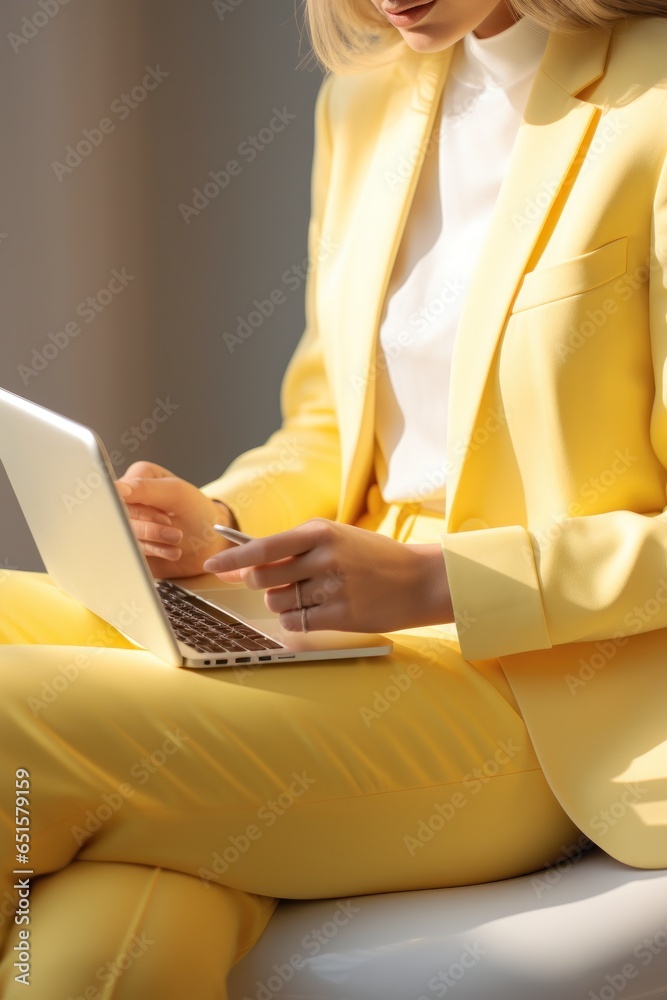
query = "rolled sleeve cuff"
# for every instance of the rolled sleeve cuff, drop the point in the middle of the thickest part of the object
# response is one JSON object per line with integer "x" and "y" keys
{"x": 495, "y": 591}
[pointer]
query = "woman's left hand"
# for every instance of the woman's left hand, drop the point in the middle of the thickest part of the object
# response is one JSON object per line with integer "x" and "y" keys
{"x": 351, "y": 579}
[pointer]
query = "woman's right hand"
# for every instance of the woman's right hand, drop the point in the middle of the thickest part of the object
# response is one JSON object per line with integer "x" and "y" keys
{"x": 171, "y": 519}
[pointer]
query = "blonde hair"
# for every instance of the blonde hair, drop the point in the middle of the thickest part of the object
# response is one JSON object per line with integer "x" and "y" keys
{"x": 350, "y": 35}
{"x": 584, "y": 13}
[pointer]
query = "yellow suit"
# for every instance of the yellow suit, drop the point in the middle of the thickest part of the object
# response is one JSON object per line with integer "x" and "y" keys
{"x": 555, "y": 537}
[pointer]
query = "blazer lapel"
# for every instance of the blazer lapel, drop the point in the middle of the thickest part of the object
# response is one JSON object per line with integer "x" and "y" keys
{"x": 549, "y": 141}
{"x": 399, "y": 150}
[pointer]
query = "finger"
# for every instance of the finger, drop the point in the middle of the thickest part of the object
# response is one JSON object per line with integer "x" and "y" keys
{"x": 122, "y": 488}
{"x": 169, "y": 552}
{"x": 161, "y": 568}
{"x": 317, "y": 617}
{"x": 148, "y": 531}
{"x": 162, "y": 493}
{"x": 231, "y": 576}
{"x": 281, "y": 599}
{"x": 281, "y": 573}
{"x": 314, "y": 592}
{"x": 139, "y": 512}
{"x": 146, "y": 470}
{"x": 261, "y": 551}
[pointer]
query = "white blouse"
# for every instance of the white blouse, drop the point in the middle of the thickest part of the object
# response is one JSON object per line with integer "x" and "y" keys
{"x": 482, "y": 106}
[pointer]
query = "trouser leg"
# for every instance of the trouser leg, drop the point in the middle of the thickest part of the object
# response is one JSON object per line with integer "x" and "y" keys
{"x": 107, "y": 930}
{"x": 34, "y": 610}
{"x": 330, "y": 778}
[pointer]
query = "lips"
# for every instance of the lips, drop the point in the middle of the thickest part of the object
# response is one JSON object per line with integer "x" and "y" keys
{"x": 401, "y": 10}
{"x": 407, "y": 17}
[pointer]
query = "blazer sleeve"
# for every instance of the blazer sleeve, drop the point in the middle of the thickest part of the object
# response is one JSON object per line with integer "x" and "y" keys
{"x": 296, "y": 474}
{"x": 600, "y": 576}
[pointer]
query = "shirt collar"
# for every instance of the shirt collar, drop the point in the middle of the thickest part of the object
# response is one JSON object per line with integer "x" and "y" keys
{"x": 502, "y": 59}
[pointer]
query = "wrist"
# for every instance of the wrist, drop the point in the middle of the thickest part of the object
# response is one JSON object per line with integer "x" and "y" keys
{"x": 224, "y": 515}
{"x": 433, "y": 599}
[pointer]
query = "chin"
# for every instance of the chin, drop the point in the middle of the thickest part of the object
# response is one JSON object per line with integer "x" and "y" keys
{"x": 429, "y": 41}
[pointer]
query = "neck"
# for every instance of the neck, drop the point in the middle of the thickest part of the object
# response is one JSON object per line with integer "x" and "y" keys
{"x": 500, "y": 18}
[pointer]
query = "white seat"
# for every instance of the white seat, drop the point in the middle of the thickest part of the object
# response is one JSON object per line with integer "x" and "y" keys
{"x": 593, "y": 930}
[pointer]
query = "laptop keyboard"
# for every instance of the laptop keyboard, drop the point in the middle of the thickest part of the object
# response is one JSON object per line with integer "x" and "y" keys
{"x": 209, "y": 631}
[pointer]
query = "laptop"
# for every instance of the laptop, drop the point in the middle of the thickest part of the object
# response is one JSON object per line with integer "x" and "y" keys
{"x": 64, "y": 481}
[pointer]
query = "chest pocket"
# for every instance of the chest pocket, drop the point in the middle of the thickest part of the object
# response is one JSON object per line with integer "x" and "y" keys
{"x": 573, "y": 277}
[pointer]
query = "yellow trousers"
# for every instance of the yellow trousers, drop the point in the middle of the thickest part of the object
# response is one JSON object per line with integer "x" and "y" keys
{"x": 169, "y": 809}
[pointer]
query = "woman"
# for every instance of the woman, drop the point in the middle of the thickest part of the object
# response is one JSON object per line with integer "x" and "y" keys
{"x": 521, "y": 498}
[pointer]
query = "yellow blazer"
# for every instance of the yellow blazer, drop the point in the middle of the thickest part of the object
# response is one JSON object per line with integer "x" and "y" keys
{"x": 555, "y": 536}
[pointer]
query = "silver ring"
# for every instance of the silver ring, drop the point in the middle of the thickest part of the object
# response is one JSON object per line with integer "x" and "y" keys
{"x": 300, "y": 607}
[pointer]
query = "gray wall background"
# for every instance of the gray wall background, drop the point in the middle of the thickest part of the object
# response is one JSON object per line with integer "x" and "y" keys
{"x": 63, "y": 231}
